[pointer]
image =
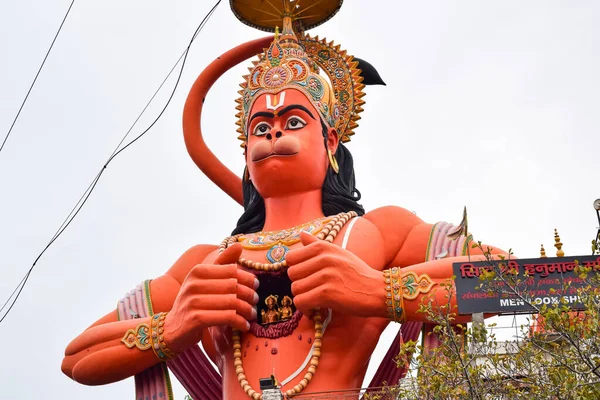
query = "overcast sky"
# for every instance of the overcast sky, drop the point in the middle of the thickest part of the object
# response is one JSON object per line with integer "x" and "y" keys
{"x": 493, "y": 105}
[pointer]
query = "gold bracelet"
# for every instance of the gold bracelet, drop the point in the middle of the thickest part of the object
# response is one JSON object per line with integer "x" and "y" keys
{"x": 399, "y": 286}
{"x": 158, "y": 345}
{"x": 146, "y": 337}
{"x": 394, "y": 299}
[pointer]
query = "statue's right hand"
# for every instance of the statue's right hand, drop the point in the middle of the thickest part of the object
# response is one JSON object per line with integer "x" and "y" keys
{"x": 212, "y": 295}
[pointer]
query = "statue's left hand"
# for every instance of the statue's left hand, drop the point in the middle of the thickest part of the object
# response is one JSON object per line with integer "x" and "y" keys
{"x": 324, "y": 275}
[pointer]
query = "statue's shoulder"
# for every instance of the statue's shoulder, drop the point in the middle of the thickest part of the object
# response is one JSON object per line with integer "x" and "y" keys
{"x": 393, "y": 219}
{"x": 198, "y": 254}
{"x": 399, "y": 229}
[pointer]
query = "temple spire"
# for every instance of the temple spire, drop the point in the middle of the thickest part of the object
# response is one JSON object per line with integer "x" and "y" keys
{"x": 558, "y": 245}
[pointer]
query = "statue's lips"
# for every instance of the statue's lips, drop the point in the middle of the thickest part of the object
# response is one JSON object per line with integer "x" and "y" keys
{"x": 271, "y": 155}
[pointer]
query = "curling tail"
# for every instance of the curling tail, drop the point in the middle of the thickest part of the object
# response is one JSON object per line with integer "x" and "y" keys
{"x": 205, "y": 159}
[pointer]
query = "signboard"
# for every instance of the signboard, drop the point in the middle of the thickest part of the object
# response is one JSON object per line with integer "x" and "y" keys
{"x": 541, "y": 279}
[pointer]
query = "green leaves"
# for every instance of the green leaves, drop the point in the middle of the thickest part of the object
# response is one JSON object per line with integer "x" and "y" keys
{"x": 555, "y": 356}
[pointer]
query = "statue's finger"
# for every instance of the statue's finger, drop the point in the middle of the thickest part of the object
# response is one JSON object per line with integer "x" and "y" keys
{"x": 246, "y": 294}
{"x": 306, "y": 284}
{"x": 227, "y": 318}
{"x": 214, "y": 302}
{"x": 245, "y": 310}
{"x": 301, "y": 254}
{"x": 306, "y": 238}
{"x": 308, "y": 301}
{"x": 247, "y": 279}
{"x": 203, "y": 271}
{"x": 211, "y": 286}
{"x": 230, "y": 255}
{"x": 239, "y": 323}
{"x": 305, "y": 268}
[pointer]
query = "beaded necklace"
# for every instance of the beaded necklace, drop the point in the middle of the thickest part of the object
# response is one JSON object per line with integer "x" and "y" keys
{"x": 328, "y": 233}
{"x": 325, "y": 229}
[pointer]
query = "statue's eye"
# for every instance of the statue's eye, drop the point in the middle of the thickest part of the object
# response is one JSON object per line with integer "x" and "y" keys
{"x": 261, "y": 129}
{"x": 294, "y": 123}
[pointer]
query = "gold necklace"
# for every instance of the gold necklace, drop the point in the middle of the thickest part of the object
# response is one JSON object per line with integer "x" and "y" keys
{"x": 288, "y": 237}
{"x": 324, "y": 230}
{"x": 328, "y": 233}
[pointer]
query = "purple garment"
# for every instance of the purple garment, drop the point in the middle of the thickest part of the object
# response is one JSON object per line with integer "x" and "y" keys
{"x": 197, "y": 375}
{"x": 388, "y": 372}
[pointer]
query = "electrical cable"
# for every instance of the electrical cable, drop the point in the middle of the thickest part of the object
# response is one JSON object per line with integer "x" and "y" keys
{"x": 83, "y": 199}
{"x": 85, "y": 196}
{"x": 36, "y": 76}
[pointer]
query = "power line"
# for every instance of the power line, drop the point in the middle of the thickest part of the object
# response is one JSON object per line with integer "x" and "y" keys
{"x": 86, "y": 194}
{"x": 36, "y": 76}
{"x": 84, "y": 197}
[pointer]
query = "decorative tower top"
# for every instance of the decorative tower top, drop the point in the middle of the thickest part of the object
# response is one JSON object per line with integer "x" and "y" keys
{"x": 543, "y": 252}
{"x": 558, "y": 245}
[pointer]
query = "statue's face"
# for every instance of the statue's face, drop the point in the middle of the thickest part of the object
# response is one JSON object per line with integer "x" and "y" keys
{"x": 285, "y": 152}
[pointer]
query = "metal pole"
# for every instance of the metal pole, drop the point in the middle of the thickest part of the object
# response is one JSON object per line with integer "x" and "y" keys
{"x": 478, "y": 327}
{"x": 598, "y": 233}
{"x": 597, "y": 208}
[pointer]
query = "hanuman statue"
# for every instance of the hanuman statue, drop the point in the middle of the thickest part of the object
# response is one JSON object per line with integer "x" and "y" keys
{"x": 302, "y": 237}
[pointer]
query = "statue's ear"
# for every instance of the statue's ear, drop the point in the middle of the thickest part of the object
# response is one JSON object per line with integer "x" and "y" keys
{"x": 369, "y": 73}
{"x": 332, "y": 140}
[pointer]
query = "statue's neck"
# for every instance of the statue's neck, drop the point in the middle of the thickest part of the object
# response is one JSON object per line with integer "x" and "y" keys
{"x": 295, "y": 209}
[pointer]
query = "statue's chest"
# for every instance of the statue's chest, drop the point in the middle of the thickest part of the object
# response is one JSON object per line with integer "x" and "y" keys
{"x": 277, "y": 317}
{"x": 276, "y": 311}
{"x": 264, "y": 255}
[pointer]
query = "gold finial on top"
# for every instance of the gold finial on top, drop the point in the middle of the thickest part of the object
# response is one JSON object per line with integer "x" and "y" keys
{"x": 276, "y": 32}
{"x": 543, "y": 252}
{"x": 558, "y": 245}
{"x": 264, "y": 15}
{"x": 287, "y": 31}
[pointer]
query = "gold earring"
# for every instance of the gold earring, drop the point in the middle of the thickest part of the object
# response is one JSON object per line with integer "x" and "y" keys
{"x": 333, "y": 162}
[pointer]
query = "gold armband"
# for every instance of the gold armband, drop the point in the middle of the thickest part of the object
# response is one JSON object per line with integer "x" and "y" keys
{"x": 146, "y": 337}
{"x": 138, "y": 337}
{"x": 400, "y": 286}
{"x": 158, "y": 345}
{"x": 393, "y": 301}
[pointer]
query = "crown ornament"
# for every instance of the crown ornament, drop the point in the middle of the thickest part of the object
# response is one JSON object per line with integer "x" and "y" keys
{"x": 327, "y": 75}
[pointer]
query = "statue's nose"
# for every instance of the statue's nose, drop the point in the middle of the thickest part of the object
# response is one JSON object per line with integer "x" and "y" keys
{"x": 278, "y": 134}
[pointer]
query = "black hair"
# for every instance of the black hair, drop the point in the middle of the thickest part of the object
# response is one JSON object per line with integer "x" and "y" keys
{"x": 339, "y": 193}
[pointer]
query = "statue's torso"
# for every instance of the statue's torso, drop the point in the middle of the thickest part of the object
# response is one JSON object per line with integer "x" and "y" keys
{"x": 348, "y": 342}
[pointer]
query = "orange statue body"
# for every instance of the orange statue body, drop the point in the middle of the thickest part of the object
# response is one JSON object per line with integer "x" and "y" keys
{"x": 305, "y": 266}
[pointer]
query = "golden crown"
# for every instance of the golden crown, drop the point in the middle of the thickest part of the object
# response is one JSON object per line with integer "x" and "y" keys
{"x": 293, "y": 63}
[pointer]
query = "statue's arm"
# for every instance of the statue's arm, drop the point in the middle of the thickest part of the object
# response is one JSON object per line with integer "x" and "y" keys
{"x": 396, "y": 241}
{"x": 97, "y": 356}
{"x": 408, "y": 246}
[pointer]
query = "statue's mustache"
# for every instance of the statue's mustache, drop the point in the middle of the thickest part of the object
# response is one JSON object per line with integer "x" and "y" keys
{"x": 284, "y": 146}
